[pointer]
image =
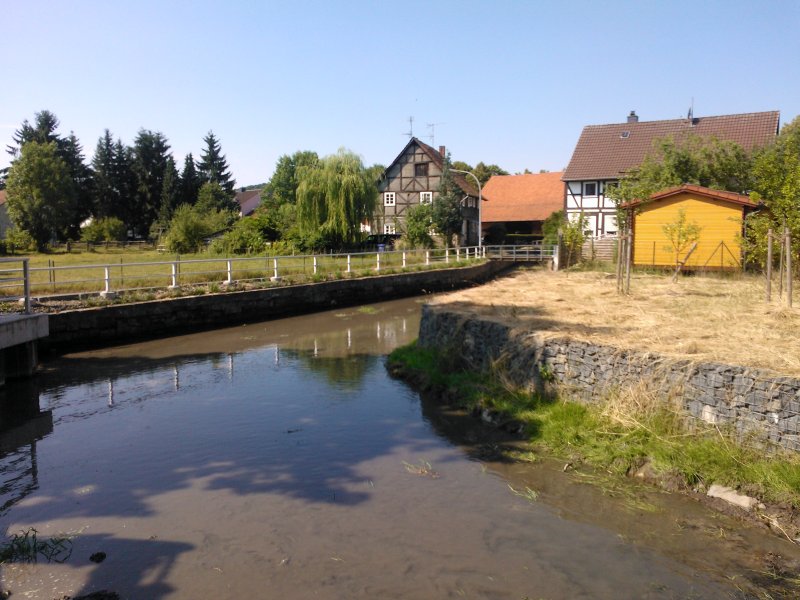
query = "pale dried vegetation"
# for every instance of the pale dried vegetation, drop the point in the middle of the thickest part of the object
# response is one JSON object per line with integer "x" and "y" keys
{"x": 703, "y": 318}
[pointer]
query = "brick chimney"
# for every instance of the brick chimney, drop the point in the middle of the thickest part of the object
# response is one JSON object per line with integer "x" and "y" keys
{"x": 442, "y": 150}
{"x": 633, "y": 117}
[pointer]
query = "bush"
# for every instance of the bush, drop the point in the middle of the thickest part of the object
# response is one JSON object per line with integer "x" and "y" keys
{"x": 190, "y": 226}
{"x": 18, "y": 240}
{"x": 108, "y": 229}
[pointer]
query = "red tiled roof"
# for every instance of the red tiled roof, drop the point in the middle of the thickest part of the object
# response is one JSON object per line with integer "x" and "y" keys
{"x": 2, "y": 197}
{"x": 607, "y": 151}
{"x": 522, "y": 197}
{"x": 699, "y": 190}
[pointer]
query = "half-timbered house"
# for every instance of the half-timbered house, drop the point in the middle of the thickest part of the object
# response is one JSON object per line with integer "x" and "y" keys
{"x": 604, "y": 153}
{"x": 412, "y": 179}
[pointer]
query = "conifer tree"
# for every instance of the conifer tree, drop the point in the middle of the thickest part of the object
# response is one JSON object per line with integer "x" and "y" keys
{"x": 213, "y": 166}
{"x": 150, "y": 159}
{"x": 189, "y": 182}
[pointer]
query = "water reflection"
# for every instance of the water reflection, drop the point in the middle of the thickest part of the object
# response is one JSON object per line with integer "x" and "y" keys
{"x": 22, "y": 424}
{"x": 271, "y": 457}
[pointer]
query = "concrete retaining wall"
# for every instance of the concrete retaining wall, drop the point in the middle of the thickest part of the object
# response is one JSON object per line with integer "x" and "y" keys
{"x": 754, "y": 402}
{"x": 92, "y": 327}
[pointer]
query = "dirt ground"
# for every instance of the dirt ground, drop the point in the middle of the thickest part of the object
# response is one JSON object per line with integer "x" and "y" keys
{"x": 706, "y": 318}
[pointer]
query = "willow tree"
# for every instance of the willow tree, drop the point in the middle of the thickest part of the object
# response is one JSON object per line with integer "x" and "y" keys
{"x": 335, "y": 196}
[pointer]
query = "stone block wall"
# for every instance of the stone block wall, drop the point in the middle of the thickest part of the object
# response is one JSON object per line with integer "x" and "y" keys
{"x": 754, "y": 402}
{"x": 92, "y": 327}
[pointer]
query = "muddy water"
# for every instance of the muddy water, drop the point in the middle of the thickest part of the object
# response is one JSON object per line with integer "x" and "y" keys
{"x": 278, "y": 460}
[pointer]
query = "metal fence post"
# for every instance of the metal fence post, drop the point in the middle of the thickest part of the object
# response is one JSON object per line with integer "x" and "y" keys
{"x": 26, "y": 285}
{"x": 348, "y": 263}
{"x": 107, "y": 280}
{"x": 378, "y": 266}
{"x": 427, "y": 257}
{"x": 174, "y": 276}
{"x": 275, "y": 276}
{"x": 315, "y": 265}
{"x": 229, "y": 280}
{"x": 447, "y": 255}
{"x": 404, "y": 260}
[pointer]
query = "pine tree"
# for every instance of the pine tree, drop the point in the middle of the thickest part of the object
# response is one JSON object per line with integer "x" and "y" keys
{"x": 169, "y": 193}
{"x": 124, "y": 182}
{"x": 150, "y": 158}
{"x": 213, "y": 167}
{"x": 189, "y": 182}
{"x": 105, "y": 194}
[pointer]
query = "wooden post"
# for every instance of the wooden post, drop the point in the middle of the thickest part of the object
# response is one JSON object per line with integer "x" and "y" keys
{"x": 769, "y": 264}
{"x": 780, "y": 268}
{"x": 628, "y": 257}
{"x": 789, "y": 267}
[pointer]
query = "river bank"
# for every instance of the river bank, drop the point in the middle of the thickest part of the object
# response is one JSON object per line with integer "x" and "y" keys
{"x": 512, "y": 351}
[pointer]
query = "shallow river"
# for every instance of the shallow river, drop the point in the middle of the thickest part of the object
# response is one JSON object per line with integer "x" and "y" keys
{"x": 278, "y": 460}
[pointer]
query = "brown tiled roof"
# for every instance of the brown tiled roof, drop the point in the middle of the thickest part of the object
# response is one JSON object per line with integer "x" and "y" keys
{"x": 461, "y": 180}
{"x": 603, "y": 153}
{"x": 699, "y": 190}
{"x": 522, "y": 197}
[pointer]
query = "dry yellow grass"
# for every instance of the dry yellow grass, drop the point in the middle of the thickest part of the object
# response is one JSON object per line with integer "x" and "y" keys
{"x": 701, "y": 318}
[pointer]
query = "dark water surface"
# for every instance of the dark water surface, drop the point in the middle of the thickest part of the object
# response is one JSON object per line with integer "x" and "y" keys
{"x": 278, "y": 460}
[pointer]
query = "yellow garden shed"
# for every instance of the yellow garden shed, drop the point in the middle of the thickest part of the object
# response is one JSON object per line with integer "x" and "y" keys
{"x": 718, "y": 215}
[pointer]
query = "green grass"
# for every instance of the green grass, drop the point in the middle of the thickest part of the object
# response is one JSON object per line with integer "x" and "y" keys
{"x": 81, "y": 271}
{"x": 618, "y": 434}
{"x": 26, "y": 546}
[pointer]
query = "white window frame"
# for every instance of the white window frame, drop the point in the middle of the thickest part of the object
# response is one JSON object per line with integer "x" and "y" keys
{"x": 426, "y": 197}
{"x": 389, "y": 198}
{"x": 587, "y": 194}
{"x": 389, "y": 228}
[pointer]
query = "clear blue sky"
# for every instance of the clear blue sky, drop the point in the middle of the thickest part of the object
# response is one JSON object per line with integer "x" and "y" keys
{"x": 511, "y": 83}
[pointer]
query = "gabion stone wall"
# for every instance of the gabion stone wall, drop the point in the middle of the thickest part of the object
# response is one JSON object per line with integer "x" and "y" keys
{"x": 756, "y": 403}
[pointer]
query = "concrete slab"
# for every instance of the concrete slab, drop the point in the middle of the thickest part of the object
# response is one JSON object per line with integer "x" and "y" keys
{"x": 20, "y": 329}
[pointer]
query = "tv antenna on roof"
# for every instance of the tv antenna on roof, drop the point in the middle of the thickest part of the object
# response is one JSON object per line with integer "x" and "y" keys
{"x": 432, "y": 129}
{"x": 410, "y": 132}
{"x": 690, "y": 114}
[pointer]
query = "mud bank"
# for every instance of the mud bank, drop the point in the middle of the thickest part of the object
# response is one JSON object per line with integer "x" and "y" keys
{"x": 94, "y": 327}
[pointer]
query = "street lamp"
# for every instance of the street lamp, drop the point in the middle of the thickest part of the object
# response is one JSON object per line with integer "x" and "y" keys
{"x": 480, "y": 237}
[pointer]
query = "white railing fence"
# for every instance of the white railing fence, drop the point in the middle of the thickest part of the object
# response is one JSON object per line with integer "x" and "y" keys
{"x": 108, "y": 279}
{"x": 15, "y": 279}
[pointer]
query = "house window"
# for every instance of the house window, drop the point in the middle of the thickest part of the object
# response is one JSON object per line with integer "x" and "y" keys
{"x": 421, "y": 170}
{"x": 426, "y": 197}
{"x": 590, "y": 188}
{"x": 389, "y": 199}
{"x": 389, "y": 228}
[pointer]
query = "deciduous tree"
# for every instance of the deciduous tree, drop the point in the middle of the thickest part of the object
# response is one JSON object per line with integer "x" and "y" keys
{"x": 40, "y": 192}
{"x": 335, "y": 196}
{"x": 446, "y": 207}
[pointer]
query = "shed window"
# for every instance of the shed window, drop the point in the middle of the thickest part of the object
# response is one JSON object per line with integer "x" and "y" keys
{"x": 590, "y": 188}
{"x": 389, "y": 199}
